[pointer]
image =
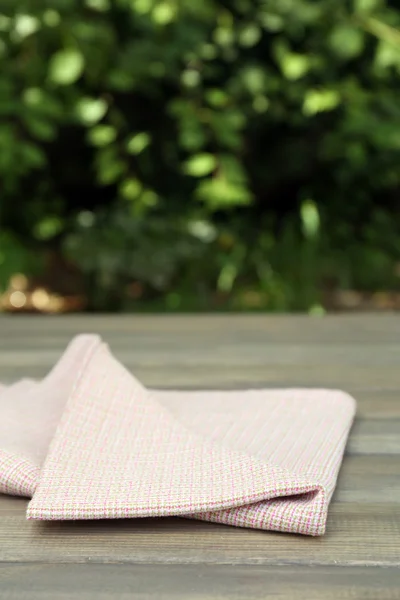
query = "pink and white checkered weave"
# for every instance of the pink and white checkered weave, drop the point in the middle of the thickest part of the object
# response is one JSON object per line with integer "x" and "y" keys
{"x": 90, "y": 442}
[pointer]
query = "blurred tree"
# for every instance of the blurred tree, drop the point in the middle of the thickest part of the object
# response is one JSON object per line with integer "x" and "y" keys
{"x": 238, "y": 153}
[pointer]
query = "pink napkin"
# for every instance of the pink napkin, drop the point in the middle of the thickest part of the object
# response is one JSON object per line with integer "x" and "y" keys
{"x": 90, "y": 442}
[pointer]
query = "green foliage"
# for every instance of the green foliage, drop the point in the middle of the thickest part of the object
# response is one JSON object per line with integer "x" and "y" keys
{"x": 243, "y": 153}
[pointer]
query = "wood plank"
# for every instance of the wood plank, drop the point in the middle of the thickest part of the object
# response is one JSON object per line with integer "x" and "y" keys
{"x": 208, "y": 367}
{"x": 374, "y": 437}
{"x": 233, "y": 376}
{"x": 211, "y": 350}
{"x": 177, "y": 558}
{"x": 197, "y": 582}
{"x": 369, "y": 479}
{"x": 358, "y": 535}
{"x": 177, "y": 363}
{"x": 377, "y": 405}
{"x": 221, "y": 350}
{"x": 277, "y": 328}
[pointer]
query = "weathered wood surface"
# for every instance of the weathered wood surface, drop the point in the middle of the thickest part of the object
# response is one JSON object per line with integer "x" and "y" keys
{"x": 216, "y": 582}
{"x": 173, "y": 558}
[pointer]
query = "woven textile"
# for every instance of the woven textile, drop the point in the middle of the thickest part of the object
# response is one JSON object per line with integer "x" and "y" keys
{"x": 90, "y": 442}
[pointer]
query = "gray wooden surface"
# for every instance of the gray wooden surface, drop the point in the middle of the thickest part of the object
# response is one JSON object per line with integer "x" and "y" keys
{"x": 359, "y": 557}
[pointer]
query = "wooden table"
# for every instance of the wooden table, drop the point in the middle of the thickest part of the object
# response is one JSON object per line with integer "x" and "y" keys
{"x": 359, "y": 557}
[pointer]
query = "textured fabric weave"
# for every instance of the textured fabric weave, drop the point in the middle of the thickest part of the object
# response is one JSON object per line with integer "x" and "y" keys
{"x": 90, "y": 442}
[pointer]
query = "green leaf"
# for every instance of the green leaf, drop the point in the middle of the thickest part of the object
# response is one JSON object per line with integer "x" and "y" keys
{"x": 208, "y": 51}
{"x": 41, "y": 102}
{"x": 142, "y": 7}
{"x": 227, "y": 277}
{"x": 100, "y": 5}
{"x": 102, "y": 135}
{"x": 224, "y": 36}
{"x": 131, "y": 189}
{"x": 200, "y": 165}
{"x": 109, "y": 166}
{"x": 216, "y": 97}
{"x": 111, "y": 172}
{"x": 316, "y": 101}
{"x": 121, "y": 80}
{"x": 366, "y": 6}
{"x": 295, "y": 66}
{"x": 137, "y": 143}
{"x": 149, "y": 198}
{"x": 310, "y": 218}
{"x": 190, "y": 78}
{"x": 25, "y": 25}
{"x": 272, "y": 22}
{"x": 254, "y": 79}
{"x": 202, "y": 230}
{"x": 91, "y": 110}
{"x": 261, "y": 104}
{"x": 51, "y": 17}
{"x": 219, "y": 193}
{"x": 250, "y": 35}
{"x": 163, "y": 13}
{"x": 39, "y": 128}
{"x": 33, "y": 155}
{"x": 232, "y": 169}
{"x": 227, "y": 128}
{"x": 192, "y": 136}
{"x": 48, "y": 228}
{"x": 347, "y": 41}
{"x": 5, "y": 23}
{"x": 66, "y": 66}
{"x": 387, "y": 55}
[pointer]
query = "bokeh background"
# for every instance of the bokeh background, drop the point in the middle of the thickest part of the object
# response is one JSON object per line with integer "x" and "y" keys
{"x": 199, "y": 155}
